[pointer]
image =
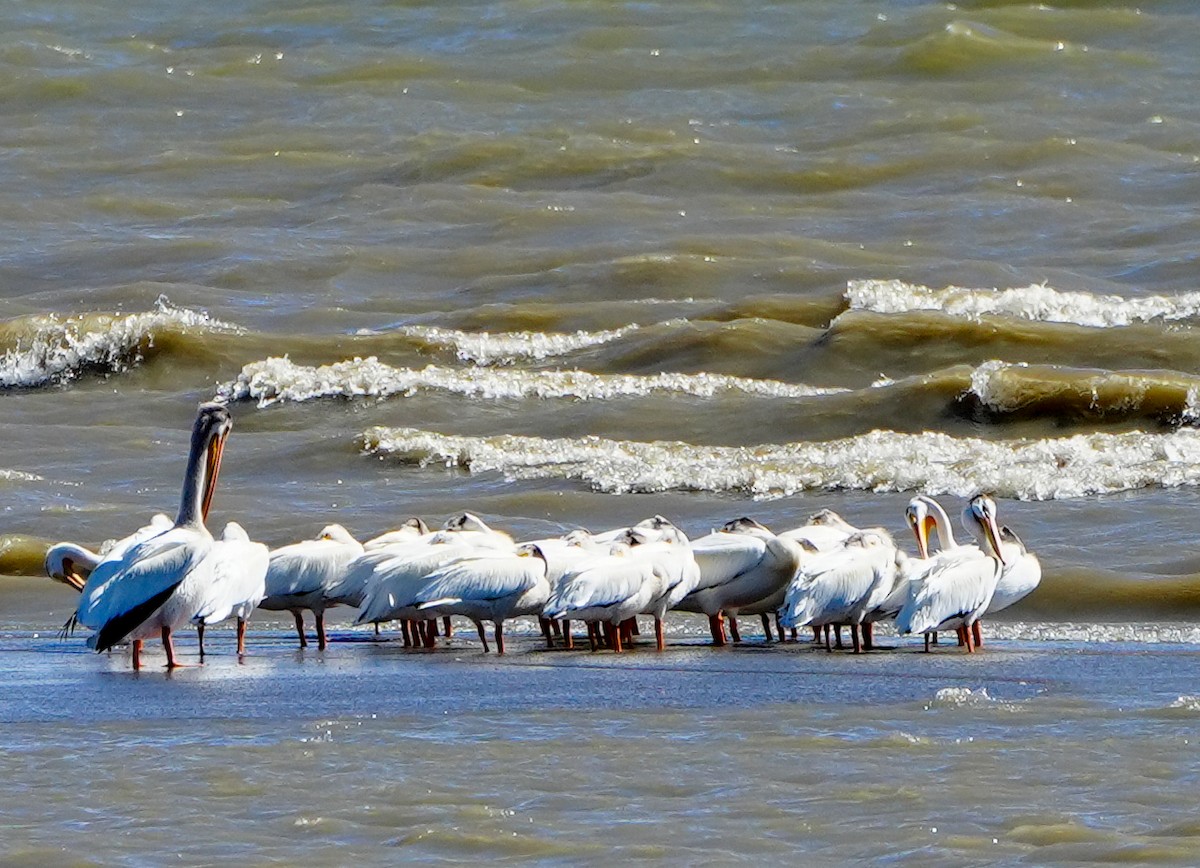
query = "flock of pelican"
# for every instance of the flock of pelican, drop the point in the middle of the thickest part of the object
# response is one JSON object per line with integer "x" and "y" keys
{"x": 824, "y": 575}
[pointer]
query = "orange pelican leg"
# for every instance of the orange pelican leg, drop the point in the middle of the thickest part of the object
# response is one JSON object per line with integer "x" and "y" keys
{"x": 733, "y": 629}
{"x": 568, "y": 640}
{"x": 716, "y": 625}
{"x": 137, "y": 653}
{"x": 868, "y": 633}
{"x": 431, "y": 633}
{"x": 659, "y": 640}
{"x": 855, "y": 641}
{"x": 615, "y": 636}
{"x": 499, "y": 637}
{"x": 968, "y": 640}
{"x": 549, "y": 637}
{"x": 322, "y": 643}
{"x": 962, "y": 639}
{"x": 977, "y": 634}
{"x": 241, "y": 636}
{"x": 447, "y": 627}
{"x": 768, "y": 635}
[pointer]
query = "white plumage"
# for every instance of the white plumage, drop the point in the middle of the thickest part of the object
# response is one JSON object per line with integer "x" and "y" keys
{"x": 742, "y": 566}
{"x": 158, "y": 584}
{"x": 843, "y": 585}
{"x": 238, "y": 582}
{"x": 299, "y": 576}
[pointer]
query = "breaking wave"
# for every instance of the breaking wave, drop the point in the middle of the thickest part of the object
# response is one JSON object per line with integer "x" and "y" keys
{"x": 49, "y": 349}
{"x": 277, "y": 380}
{"x": 1005, "y": 389}
{"x": 1039, "y": 303}
{"x": 506, "y": 348}
{"x": 881, "y": 461}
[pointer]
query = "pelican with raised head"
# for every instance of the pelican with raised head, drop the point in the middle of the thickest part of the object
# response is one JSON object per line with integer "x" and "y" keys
{"x": 956, "y": 591}
{"x": 159, "y": 583}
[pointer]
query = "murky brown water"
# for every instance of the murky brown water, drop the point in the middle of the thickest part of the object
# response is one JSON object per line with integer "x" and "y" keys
{"x": 572, "y": 265}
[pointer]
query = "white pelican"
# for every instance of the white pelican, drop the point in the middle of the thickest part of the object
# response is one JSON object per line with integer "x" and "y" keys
{"x": 611, "y": 588}
{"x": 669, "y": 549}
{"x": 71, "y": 564}
{"x": 239, "y": 582}
{"x": 957, "y": 590}
{"x": 158, "y": 584}
{"x": 1022, "y": 572}
{"x": 492, "y": 587}
{"x": 300, "y": 574}
{"x": 397, "y": 572}
{"x": 926, "y": 519}
{"x": 741, "y": 565}
{"x": 842, "y": 586}
{"x": 562, "y": 554}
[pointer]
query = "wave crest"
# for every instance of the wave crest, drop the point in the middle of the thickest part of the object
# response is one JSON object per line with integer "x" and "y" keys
{"x": 1003, "y": 388}
{"x": 278, "y": 379}
{"x": 881, "y": 461}
{"x": 1038, "y": 302}
{"x": 50, "y": 350}
{"x": 506, "y": 348}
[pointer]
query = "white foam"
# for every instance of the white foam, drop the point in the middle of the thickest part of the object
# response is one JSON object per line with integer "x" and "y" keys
{"x": 933, "y": 463}
{"x": 275, "y": 380}
{"x": 19, "y": 476}
{"x": 1037, "y": 302}
{"x": 61, "y": 349}
{"x": 505, "y": 348}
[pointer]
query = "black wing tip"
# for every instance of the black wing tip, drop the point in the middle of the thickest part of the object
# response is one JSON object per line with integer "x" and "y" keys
{"x": 122, "y": 625}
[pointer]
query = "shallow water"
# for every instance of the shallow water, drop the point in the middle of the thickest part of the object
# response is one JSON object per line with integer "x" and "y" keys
{"x": 573, "y": 265}
{"x": 1033, "y": 752}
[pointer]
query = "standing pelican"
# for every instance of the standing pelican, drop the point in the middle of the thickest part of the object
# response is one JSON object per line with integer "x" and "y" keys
{"x": 71, "y": 564}
{"x": 300, "y": 574}
{"x": 957, "y": 590}
{"x": 158, "y": 584}
{"x": 611, "y": 588}
{"x": 239, "y": 582}
{"x": 844, "y": 585}
{"x": 494, "y": 586}
{"x": 741, "y": 565}
{"x": 926, "y": 519}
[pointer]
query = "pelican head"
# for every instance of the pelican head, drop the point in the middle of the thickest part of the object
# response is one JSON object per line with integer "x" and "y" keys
{"x": 466, "y": 521}
{"x": 70, "y": 564}
{"x": 532, "y": 550}
{"x": 655, "y": 523}
{"x": 870, "y": 538}
{"x": 336, "y": 533}
{"x": 980, "y": 513}
{"x": 922, "y": 522}
{"x": 742, "y": 525}
{"x": 829, "y": 518}
{"x": 418, "y": 527}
